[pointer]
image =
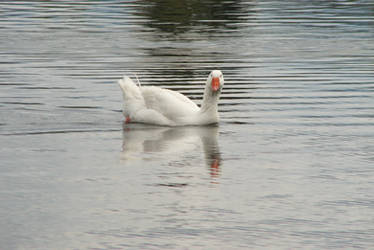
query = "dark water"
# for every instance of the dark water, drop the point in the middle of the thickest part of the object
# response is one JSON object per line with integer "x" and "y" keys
{"x": 289, "y": 166}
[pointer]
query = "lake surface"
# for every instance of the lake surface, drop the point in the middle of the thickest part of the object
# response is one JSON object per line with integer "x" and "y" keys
{"x": 290, "y": 166}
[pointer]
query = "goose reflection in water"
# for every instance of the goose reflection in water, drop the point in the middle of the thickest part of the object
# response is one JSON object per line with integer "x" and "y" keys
{"x": 144, "y": 142}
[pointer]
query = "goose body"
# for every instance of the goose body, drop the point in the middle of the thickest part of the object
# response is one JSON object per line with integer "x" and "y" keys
{"x": 159, "y": 106}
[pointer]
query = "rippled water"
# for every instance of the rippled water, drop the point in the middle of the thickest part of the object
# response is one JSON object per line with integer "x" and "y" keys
{"x": 289, "y": 166}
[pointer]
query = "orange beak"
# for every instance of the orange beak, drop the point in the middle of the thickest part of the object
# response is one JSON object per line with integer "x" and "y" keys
{"x": 215, "y": 83}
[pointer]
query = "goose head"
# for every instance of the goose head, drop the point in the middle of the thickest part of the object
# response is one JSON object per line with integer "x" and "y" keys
{"x": 215, "y": 81}
{"x": 213, "y": 88}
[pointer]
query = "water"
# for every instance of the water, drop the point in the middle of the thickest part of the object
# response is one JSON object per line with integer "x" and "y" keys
{"x": 289, "y": 166}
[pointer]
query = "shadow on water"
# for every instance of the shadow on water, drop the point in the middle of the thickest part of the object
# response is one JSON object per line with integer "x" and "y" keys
{"x": 177, "y": 17}
{"x": 192, "y": 26}
{"x": 173, "y": 144}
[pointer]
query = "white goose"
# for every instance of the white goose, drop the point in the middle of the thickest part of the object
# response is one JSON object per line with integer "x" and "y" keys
{"x": 154, "y": 105}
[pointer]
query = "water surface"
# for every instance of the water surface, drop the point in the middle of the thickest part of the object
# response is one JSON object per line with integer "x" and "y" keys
{"x": 289, "y": 166}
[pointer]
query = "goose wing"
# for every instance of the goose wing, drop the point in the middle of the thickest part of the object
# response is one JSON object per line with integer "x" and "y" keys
{"x": 171, "y": 104}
